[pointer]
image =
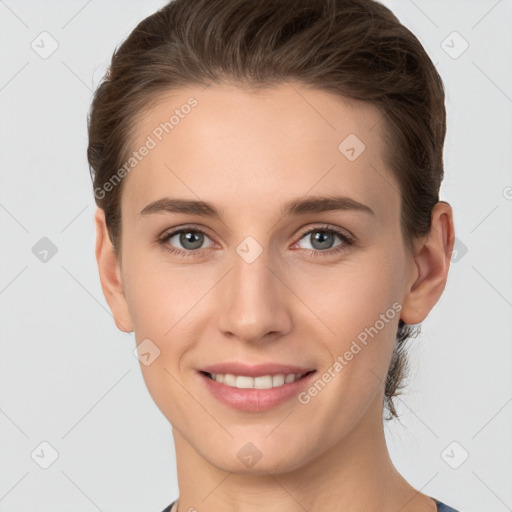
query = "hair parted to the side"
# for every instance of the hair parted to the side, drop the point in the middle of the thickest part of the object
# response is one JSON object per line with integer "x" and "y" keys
{"x": 356, "y": 49}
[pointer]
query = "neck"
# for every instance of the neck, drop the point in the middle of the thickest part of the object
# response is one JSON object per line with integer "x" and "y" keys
{"x": 356, "y": 474}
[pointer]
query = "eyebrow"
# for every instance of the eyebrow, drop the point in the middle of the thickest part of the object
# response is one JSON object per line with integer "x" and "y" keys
{"x": 312, "y": 204}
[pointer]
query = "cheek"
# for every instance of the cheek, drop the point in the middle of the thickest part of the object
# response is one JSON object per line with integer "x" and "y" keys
{"x": 168, "y": 308}
{"x": 352, "y": 296}
{"x": 362, "y": 308}
{"x": 161, "y": 297}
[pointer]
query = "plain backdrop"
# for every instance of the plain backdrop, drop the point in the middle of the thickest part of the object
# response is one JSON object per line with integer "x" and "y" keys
{"x": 68, "y": 377}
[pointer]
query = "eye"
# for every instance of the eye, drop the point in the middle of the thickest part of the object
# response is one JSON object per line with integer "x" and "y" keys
{"x": 191, "y": 239}
{"x": 321, "y": 240}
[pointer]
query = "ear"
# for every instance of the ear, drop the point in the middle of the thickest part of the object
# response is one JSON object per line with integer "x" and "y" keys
{"x": 110, "y": 275}
{"x": 432, "y": 259}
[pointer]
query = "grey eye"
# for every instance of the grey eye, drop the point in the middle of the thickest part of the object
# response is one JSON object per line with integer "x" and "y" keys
{"x": 188, "y": 239}
{"x": 320, "y": 239}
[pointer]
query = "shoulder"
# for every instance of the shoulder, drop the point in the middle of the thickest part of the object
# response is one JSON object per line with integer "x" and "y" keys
{"x": 169, "y": 508}
{"x": 441, "y": 507}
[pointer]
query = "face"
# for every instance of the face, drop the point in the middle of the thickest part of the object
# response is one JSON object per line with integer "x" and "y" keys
{"x": 260, "y": 289}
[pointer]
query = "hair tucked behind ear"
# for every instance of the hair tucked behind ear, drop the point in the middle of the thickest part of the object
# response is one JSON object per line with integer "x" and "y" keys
{"x": 357, "y": 49}
{"x": 399, "y": 367}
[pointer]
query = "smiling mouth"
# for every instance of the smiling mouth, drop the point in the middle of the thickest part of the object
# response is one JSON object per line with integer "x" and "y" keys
{"x": 261, "y": 382}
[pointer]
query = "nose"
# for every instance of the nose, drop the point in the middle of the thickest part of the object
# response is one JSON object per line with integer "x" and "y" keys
{"x": 254, "y": 301}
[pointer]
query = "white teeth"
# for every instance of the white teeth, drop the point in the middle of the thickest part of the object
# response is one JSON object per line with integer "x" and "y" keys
{"x": 277, "y": 380}
{"x": 229, "y": 379}
{"x": 262, "y": 382}
{"x": 244, "y": 382}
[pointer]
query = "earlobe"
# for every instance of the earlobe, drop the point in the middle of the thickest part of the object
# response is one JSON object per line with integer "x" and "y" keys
{"x": 110, "y": 275}
{"x": 432, "y": 261}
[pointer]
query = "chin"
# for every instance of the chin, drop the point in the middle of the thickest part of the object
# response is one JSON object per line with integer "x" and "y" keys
{"x": 257, "y": 457}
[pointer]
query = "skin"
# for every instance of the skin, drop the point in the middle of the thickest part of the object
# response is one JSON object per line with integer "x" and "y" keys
{"x": 248, "y": 153}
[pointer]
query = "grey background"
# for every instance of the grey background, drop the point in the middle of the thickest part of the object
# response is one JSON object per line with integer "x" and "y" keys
{"x": 68, "y": 376}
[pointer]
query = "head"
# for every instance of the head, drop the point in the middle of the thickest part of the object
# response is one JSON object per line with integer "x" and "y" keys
{"x": 248, "y": 106}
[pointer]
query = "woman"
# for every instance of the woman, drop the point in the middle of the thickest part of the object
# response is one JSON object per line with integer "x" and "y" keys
{"x": 267, "y": 177}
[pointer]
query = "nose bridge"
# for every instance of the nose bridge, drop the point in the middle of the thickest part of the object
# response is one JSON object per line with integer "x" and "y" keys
{"x": 254, "y": 299}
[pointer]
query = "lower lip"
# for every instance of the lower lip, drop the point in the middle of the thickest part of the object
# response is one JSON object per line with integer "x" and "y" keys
{"x": 255, "y": 400}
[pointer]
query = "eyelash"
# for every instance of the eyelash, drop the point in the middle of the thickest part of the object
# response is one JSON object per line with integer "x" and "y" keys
{"x": 347, "y": 241}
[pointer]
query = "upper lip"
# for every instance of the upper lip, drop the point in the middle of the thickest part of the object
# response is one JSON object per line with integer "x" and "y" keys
{"x": 256, "y": 370}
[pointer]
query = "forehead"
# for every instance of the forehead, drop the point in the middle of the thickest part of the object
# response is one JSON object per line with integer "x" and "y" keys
{"x": 226, "y": 144}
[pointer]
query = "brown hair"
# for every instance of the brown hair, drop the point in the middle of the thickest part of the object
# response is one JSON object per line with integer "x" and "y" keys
{"x": 354, "y": 48}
